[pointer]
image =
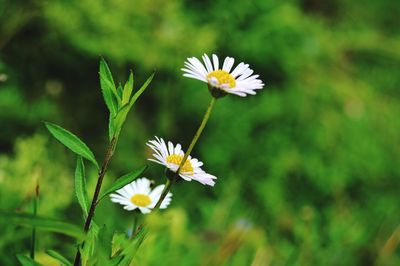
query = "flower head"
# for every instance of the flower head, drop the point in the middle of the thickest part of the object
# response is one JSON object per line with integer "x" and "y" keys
{"x": 139, "y": 195}
{"x": 171, "y": 156}
{"x": 239, "y": 81}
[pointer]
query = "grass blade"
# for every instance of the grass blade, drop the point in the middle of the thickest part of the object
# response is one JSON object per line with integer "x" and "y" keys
{"x": 35, "y": 206}
{"x": 54, "y": 254}
{"x": 26, "y": 261}
{"x": 43, "y": 223}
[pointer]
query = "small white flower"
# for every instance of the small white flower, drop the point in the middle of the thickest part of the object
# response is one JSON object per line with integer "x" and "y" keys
{"x": 138, "y": 194}
{"x": 171, "y": 156}
{"x": 240, "y": 81}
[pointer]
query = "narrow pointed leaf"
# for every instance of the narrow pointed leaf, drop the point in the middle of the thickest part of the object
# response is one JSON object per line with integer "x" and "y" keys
{"x": 88, "y": 246}
{"x": 130, "y": 251}
{"x": 44, "y": 223}
{"x": 127, "y": 90}
{"x": 120, "y": 90}
{"x": 80, "y": 186}
{"x": 119, "y": 119}
{"x": 27, "y": 261}
{"x": 108, "y": 89}
{"x": 104, "y": 245}
{"x": 72, "y": 142}
{"x": 59, "y": 257}
{"x": 111, "y": 128}
{"x": 141, "y": 90}
{"x": 108, "y": 96}
{"x": 122, "y": 181}
{"x": 114, "y": 261}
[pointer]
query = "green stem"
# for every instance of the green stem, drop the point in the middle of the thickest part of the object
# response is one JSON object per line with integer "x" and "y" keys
{"x": 164, "y": 193}
{"x": 109, "y": 154}
{"x": 169, "y": 182}
{"x": 198, "y": 132}
{"x": 171, "y": 179}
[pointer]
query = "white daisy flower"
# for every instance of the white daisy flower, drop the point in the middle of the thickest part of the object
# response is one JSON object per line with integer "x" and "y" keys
{"x": 171, "y": 156}
{"x": 139, "y": 195}
{"x": 240, "y": 81}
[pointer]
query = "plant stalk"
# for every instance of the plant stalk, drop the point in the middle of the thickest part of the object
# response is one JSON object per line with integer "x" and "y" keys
{"x": 164, "y": 193}
{"x": 103, "y": 170}
{"x": 198, "y": 133}
{"x": 175, "y": 176}
{"x": 169, "y": 182}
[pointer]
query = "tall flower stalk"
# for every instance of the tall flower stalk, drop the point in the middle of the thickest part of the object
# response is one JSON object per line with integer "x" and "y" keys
{"x": 221, "y": 81}
{"x": 196, "y": 136}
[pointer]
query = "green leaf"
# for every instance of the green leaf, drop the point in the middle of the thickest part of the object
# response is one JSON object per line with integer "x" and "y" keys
{"x": 141, "y": 90}
{"x": 122, "y": 181}
{"x": 72, "y": 142}
{"x": 115, "y": 123}
{"x": 129, "y": 252}
{"x": 114, "y": 261}
{"x": 87, "y": 248}
{"x": 111, "y": 128}
{"x": 80, "y": 186}
{"x": 108, "y": 95}
{"x": 104, "y": 245}
{"x": 120, "y": 118}
{"x": 108, "y": 89}
{"x": 120, "y": 90}
{"x": 44, "y": 223}
{"x": 127, "y": 90}
{"x": 27, "y": 261}
{"x": 59, "y": 257}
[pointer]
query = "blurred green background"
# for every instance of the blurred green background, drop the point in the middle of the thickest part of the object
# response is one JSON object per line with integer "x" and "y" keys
{"x": 308, "y": 169}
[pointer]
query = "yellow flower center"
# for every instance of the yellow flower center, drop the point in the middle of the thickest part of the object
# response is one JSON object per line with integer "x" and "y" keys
{"x": 223, "y": 77}
{"x": 177, "y": 159}
{"x": 141, "y": 200}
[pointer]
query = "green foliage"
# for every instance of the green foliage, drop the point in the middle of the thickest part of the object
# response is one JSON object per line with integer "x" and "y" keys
{"x": 88, "y": 247}
{"x": 306, "y": 169}
{"x": 72, "y": 142}
{"x": 108, "y": 89}
{"x": 119, "y": 119}
{"x": 44, "y": 223}
{"x": 104, "y": 247}
{"x": 80, "y": 186}
{"x": 126, "y": 95}
{"x": 32, "y": 161}
{"x": 118, "y": 100}
{"x": 131, "y": 32}
{"x": 59, "y": 257}
{"x": 27, "y": 261}
{"x": 122, "y": 181}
